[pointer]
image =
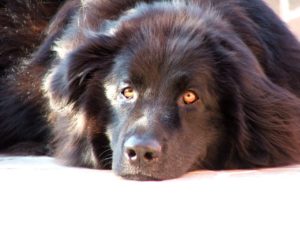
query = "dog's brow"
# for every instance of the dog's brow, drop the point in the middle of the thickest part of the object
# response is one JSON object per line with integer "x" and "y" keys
{"x": 137, "y": 79}
{"x": 181, "y": 79}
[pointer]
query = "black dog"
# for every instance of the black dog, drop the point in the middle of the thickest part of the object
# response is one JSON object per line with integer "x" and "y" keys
{"x": 153, "y": 88}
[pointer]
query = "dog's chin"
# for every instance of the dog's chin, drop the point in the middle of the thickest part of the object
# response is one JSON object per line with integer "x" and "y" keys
{"x": 147, "y": 173}
{"x": 140, "y": 177}
{"x": 144, "y": 176}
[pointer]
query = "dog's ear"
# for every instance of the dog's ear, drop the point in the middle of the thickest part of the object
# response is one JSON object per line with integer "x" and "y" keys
{"x": 67, "y": 87}
{"x": 96, "y": 57}
{"x": 269, "y": 124}
{"x": 67, "y": 82}
{"x": 261, "y": 119}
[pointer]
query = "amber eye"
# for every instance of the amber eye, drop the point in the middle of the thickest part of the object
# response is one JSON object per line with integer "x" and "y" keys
{"x": 128, "y": 92}
{"x": 189, "y": 97}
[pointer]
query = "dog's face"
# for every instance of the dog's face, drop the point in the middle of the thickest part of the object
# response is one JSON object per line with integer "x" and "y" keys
{"x": 164, "y": 118}
{"x": 162, "y": 94}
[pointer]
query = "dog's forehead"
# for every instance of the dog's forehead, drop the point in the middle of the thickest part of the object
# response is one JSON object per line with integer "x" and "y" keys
{"x": 169, "y": 47}
{"x": 128, "y": 68}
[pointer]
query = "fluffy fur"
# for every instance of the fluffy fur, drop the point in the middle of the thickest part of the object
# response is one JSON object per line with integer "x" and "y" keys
{"x": 67, "y": 94}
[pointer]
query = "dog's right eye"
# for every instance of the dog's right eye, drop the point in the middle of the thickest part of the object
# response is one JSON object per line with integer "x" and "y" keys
{"x": 189, "y": 97}
{"x": 128, "y": 92}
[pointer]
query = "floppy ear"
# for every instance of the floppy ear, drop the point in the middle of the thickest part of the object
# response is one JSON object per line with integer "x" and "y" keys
{"x": 261, "y": 119}
{"x": 68, "y": 86}
{"x": 272, "y": 119}
{"x": 67, "y": 82}
{"x": 96, "y": 56}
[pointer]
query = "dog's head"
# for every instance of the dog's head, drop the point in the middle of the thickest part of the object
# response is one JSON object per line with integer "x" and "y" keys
{"x": 160, "y": 89}
{"x": 179, "y": 89}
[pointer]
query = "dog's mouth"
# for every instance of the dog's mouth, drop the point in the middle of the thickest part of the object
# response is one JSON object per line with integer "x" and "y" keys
{"x": 140, "y": 177}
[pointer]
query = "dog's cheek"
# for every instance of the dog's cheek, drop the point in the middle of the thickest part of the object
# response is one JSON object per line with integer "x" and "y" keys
{"x": 198, "y": 134}
{"x": 112, "y": 133}
{"x": 115, "y": 133}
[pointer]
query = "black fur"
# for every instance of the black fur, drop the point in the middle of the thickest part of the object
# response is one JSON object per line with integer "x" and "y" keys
{"x": 67, "y": 94}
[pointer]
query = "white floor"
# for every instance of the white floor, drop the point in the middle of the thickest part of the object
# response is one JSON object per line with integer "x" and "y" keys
{"x": 36, "y": 190}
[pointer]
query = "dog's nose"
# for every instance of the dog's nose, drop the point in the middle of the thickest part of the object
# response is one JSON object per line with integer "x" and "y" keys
{"x": 142, "y": 150}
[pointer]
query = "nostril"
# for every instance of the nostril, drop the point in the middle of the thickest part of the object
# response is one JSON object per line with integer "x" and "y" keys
{"x": 131, "y": 154}
{"x": 149, "y": 156}
{"x": 142, "y": 150}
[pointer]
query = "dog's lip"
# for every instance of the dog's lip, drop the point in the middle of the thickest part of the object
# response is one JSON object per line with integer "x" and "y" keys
{"x": 140, "y": 177}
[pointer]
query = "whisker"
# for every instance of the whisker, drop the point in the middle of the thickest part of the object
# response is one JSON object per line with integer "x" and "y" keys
{"x": 106, "y": 162}
{"x": 108, "y": 150}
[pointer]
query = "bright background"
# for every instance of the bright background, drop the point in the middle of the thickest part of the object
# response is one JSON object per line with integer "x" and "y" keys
{"x": 289, "y": 10}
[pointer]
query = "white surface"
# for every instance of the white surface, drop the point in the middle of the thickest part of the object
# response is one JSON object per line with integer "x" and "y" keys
{"x": 35, "y": 190}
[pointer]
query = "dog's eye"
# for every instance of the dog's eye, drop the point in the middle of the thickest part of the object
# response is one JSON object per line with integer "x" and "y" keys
{"x": 189, "y": 97}
{"x": 128, "y": 92}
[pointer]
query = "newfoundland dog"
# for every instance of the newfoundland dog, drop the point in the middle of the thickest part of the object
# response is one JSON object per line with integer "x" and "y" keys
{"x": 151, "y": 89}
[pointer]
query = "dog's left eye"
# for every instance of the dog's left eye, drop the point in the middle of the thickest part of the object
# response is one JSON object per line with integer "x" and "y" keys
{"x": 189, "y": 97}
{"x": 128, "y": 92}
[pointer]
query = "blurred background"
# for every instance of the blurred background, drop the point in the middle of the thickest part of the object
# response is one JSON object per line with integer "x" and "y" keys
{"x": 289, "y": 10}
